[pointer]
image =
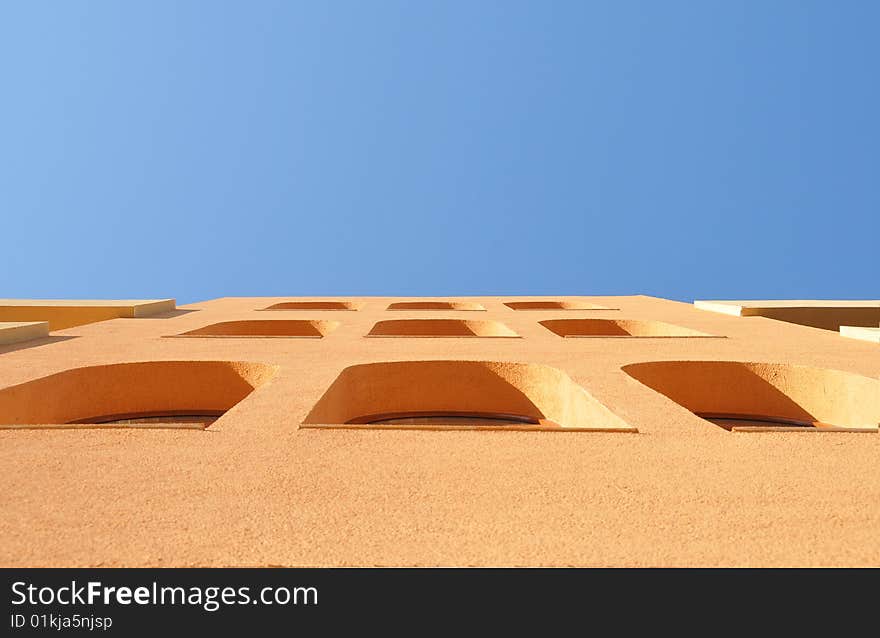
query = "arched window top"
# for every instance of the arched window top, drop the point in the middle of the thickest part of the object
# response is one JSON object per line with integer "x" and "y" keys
{"x": 748, "y": 397}
{"x": 316, "y": 305}
{"x": 436, "y": 305}
{"x": 120, "y": 392}
{"x": 522, "y": 395}
{"x": 265, "y": 328}
{"x": 555, "y": 304}
{"x": 618, "y": 328}
{"x": 440, "y": 328}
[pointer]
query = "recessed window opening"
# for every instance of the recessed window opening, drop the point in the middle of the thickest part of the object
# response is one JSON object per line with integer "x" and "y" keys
{"x": 145, "y": 394}
{"x": 261, "y": 328}
{"x": 440, "y": 328}
{"x": 316, "y": 305}
{"x": 460, "y": 395}
{"x": 752, "y": 423}
{"x": 436, "y": 305}
{"x": 189, "y": 419}
{"x": 766, "y": 397}
{"x": 618, "y": 328}
{"x": 451, "y": 419}
{"x": 552, "y": 304}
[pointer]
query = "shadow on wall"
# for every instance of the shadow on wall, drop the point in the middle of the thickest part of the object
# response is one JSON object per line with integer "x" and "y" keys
{"x": 765, "y": 392}
{"x": 830, "y": 318}
{"x": 33, "y": 343}
{"x": 531, "y": 391}
{"x": 129, "y": 390}
{"x": 179, "y": 312}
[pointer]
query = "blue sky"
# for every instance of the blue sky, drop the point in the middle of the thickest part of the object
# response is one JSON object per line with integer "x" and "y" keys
{"x": 692, "y": 149}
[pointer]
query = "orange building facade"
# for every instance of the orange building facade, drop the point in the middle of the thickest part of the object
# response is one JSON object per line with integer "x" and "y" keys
{"x": 631, "y": 431}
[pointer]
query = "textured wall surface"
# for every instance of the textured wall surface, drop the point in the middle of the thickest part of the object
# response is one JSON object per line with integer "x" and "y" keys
{"x": 257, "y": 489}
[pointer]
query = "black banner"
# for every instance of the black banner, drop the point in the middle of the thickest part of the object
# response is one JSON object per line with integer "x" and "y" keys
{"x": 138, "y": 601}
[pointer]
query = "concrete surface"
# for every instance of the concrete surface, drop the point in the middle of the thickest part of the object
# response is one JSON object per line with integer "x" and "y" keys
{"x": 258, "y": 489}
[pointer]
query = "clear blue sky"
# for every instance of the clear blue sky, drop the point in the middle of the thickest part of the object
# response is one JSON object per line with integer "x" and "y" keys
{"x": 689, "y": 150}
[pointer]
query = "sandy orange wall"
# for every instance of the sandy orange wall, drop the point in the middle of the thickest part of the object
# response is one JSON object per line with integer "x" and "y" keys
{"x": 258, "y": 488}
